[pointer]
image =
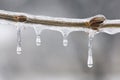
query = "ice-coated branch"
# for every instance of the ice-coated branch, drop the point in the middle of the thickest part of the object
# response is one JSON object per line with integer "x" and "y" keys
{"x": 96, "y": 22}
{"x": 92, "y": 25}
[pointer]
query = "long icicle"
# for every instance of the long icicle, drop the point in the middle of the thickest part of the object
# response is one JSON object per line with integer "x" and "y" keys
{"x": 19, "y": 49}
{"x": 90, "y": 44}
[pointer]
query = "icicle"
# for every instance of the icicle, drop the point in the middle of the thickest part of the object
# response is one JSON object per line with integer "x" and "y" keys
{"x": 65, "y": 41}
{"x": 19, "y": 49}
{"x": 38, "y": 40}
{"x": 38, "y": 31}
{"x": 90, "y": 55}
{"x": 65, "y": 32}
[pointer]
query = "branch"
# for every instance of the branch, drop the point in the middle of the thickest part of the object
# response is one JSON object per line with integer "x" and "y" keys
{"x": 95, "y": 23}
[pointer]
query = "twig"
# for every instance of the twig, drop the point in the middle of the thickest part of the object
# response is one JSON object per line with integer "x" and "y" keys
{"x": 95, "y": 22}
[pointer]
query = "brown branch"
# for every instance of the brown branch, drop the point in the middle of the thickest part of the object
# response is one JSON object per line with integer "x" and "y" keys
{"x": 95, "y": 22}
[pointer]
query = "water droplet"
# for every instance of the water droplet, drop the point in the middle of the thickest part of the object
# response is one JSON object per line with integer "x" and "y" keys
{"x": 90, "y": 55}
{"x": 38, "y": 40}
{"x": 90, "y": 59}
{"x": 65, "y": 41}
{"x": 19, "y": 49}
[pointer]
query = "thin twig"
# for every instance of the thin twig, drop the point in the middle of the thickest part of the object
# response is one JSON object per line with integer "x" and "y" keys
{"x": 95, "y": 22}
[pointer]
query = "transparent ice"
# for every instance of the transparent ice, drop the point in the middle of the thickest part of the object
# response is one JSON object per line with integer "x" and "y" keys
{"x": 38, "y": 40}
{"x": 65, "y": 31}
{"x": 106, "y": 30}
{"x": 65, "y": 34}
{"x": 65, "y": 42}
{"x": 19, "y": 49}
{"x": 38, "y": 31}
{"x": 91, "y": 35}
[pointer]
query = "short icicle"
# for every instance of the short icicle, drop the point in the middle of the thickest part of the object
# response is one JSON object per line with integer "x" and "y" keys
{"x": 65, "y": 41}
{"x": 19, "y": 49}
{"x": 65, "y": 32}
{"x": 38, "y": 31}
{"x": 90, "y": 43}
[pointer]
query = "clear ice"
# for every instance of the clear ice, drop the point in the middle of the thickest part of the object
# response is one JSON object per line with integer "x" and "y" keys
{"x": 65, "y": 41}
{"x": 19, "y": 49}
{"x": 38, "y": 30}
{"x": 38, "y": 40}
{"x": 90, "y": 43}
{"x": 65, "y": 31}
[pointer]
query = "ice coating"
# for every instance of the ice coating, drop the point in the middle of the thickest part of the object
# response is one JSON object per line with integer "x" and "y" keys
{"x": 106, "y": 30}
{"x": 42, "y": 17}
{"x": 64, "y": 30}
{"x": 111, "y": 30}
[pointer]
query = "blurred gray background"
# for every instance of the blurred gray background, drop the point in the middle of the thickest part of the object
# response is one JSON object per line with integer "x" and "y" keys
{"x": 53, "y": 61}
